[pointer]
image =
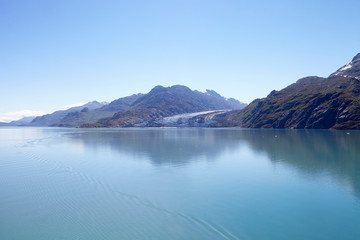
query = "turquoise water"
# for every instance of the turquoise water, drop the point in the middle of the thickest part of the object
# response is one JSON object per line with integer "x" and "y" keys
{"x": 130, "y": 184}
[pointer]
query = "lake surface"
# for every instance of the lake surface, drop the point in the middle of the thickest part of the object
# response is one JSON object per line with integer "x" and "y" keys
{"x": 168, "y": 184}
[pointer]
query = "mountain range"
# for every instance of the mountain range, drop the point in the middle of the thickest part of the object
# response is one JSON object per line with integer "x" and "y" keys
{"x": 309, "y": 103}
{"x": 55, "y": 117}
{"x": 87, "y": 115}
{"x": 135, "y": 110}
{"x": 163, "y": 102}
{"x": 21, "y": 122}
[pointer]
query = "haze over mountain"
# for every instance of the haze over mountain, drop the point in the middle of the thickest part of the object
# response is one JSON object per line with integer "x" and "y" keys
{"x": 311, "y": 102}
{"x": 49, "y": 119}
{"x": 86, "y": 115}
{"x": 20, "y": 122}
{"x": 167, "y": 101}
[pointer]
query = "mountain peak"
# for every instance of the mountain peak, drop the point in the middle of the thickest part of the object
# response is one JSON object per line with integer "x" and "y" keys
{"x": 157, "y": 88}
{"x": 212, "y": 93}
{"x": 177, "y": 88}
{"x": 180, "y": 88}
{"x": 356, "y": 58}
{"x": 351, "y": 70}
{"x": 91, "y": 105}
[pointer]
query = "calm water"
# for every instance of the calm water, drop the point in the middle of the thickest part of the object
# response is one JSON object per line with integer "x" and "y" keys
{"x": 168, "y": 184}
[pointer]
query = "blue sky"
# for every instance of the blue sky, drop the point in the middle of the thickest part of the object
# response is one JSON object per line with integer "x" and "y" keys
{"x": 57, "y": 53}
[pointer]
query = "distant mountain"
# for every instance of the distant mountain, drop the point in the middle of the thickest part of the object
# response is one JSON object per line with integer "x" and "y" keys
{"x": 21, "y": 122}
{"x": 50, "y": 119}
{"x": 311, "y": 102}
{"x": 163, "y": 102}
{"x": 230, "y": 103}
{"x": 86, "y": 115}
{"x": 123, "y": 103}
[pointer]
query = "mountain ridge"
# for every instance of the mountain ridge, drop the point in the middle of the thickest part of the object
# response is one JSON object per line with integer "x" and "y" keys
{"x": 77, "y": 118}
{"x": 352, "y": 69}
{"x": 52, "y": 118}
{"x": 21, "y": 122}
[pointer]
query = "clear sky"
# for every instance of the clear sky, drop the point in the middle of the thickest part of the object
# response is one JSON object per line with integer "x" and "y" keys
{"x": 58, "y": 53}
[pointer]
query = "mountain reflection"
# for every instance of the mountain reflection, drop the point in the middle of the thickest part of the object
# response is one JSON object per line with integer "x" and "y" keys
{"x": 313, "y": 152}
{"x": 162, "y": 146}
{"x": 310, "y": 152}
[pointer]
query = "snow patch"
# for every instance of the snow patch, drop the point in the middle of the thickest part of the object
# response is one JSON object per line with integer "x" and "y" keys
{"x": 73, "y": 105}
{"x": 206, "y": 92}
{"x": 346, "y": 67}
